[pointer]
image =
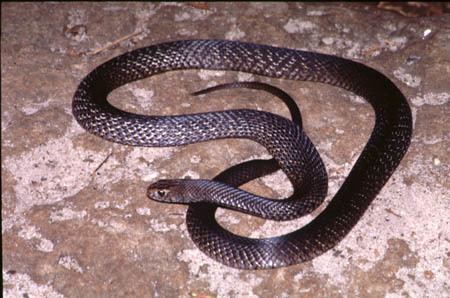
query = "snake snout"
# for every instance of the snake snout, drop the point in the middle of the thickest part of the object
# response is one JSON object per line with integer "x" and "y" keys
{"x": 165, "y": 191}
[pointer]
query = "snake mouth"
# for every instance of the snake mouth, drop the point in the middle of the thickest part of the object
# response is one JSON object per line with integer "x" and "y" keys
{"x": 156, "y": 194}
{"x": 159, "y": 191}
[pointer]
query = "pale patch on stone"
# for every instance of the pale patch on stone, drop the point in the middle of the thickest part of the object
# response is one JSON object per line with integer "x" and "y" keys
{"x": 182, "y": 17}
{"x": 272, "y": 228}
{"x": 100, "y": 223}
{"x": 299, "y": 26}
{"x": 162, "y": 227}
{"x": 77, "y": 17}
{"x": 21, "y": 285}
{"x": 142, "y": 18}
{"x": 45, "y": 245}
{"x": 186, "y": 32}
{"x": 116, "y": 226}
{"x": 30, "y": 110}
{"x": 113, "y": 8}
{"x": 175, "y": 4}
{"x": 66, "y": 214}
{"x": 224, "y": 217}
{"x": 279, "y": 182}
{"x": 31, "y": 232}
{"x": 244, "y": 76}
{"x": 225, "y": 281}
{"x": 330, "y": 264}
{"x": 324, "y": 145}
{"x": 414, "y": 115}
{"x": 208, "y": 74}
{"x": 392, "y": 43}
{"x": 354, "y": 51}
{"x": 315, "y": 13}
{"x": 150, "y": 176}
{"x": 70, "y": 263}
{"x": 356, "y": 99}
{"x": 6, "y": 122}
{"x": 149, "y": 155}
{"x": 195, "y": 159}
{"x": 408, "y": 79}
{"x": 51, "y": 172}
{"x": 102, "y": 205}
{"x": 389, "y": 27}
{"x": 258, "y": 156}
{"x": 211, "y": 83}
{"x": 191, "y": 175}
{"x": 44, "y": 178}
{"x": 269, "y": 8}
{"x": 334, "y": 44}
{"x": 122, "y": 205}
{"x": 436, "y": 161}
{"x": 33, "y": 107}
{"x": 431, "y": 140}
{"x": 193, "y": 15}
{"x": 234, "y": 33}
{"x": 431, "y": 98}
{"x": 144, "y": 211}
{"x": 328, "y": 40}
{"x": 143, "y": 96}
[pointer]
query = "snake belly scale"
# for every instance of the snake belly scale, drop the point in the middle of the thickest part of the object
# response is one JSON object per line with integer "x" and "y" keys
{"x": 285, "y": 141}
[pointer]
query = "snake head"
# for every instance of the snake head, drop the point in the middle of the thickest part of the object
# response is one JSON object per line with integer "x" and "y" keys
{"x": 170, "y": 191}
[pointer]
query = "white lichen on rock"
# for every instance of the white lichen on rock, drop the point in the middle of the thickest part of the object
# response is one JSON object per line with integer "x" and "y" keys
{"x": 299, "y": 26}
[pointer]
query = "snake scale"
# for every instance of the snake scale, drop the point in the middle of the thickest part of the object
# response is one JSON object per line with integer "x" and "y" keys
{"x": 285, "y": 140}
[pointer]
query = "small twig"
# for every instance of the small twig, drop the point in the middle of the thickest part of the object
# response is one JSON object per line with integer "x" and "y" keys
{"x": 176, "y": 214}
{"x": 111, "y": 44}
{"x": 199, "y": 5}
{"x": 102, "y": 163}
{"x": 392, "y": 212}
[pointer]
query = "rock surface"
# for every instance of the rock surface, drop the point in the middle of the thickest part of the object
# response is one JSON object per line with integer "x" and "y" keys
{"x": 75, "y": 219}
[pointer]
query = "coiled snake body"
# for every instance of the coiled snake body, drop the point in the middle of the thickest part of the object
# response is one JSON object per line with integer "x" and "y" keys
{"x": 286, "y": 142}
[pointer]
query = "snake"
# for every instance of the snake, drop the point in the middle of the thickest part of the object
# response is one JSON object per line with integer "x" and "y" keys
{"x": 284, "y": 140}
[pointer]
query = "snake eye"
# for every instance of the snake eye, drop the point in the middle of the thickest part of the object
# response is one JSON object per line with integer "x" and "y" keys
{"x": 161, "y": 193}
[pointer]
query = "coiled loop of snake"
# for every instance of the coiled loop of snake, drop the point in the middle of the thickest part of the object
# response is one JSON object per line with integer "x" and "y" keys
{"x": 288, "y": 144}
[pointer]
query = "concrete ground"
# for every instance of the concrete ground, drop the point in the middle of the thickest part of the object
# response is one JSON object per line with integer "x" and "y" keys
{"x": 75, "y": 218}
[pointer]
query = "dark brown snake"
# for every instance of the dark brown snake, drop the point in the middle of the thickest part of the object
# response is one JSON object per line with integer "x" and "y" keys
{"x": 291, "y": 149}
